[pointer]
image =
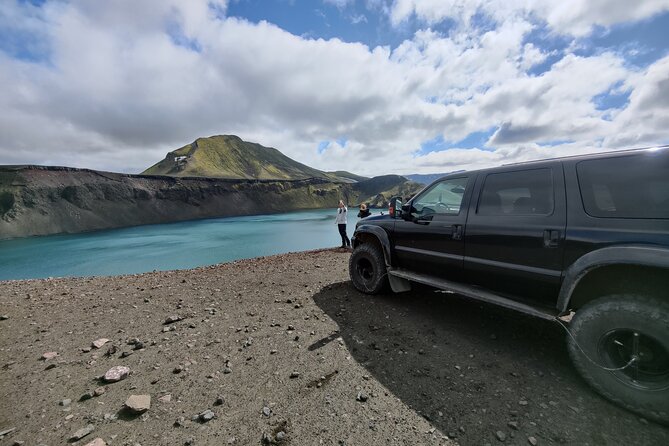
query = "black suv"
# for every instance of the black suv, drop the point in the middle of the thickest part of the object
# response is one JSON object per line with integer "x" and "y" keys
{"x": 586, "y": 234}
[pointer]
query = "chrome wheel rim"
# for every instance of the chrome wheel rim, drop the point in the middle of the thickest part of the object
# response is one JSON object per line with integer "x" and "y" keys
{"x": 642, "y": 360}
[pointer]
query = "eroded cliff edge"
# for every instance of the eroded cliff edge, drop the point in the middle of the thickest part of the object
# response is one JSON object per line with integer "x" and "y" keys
{"x": 38, "y": 200}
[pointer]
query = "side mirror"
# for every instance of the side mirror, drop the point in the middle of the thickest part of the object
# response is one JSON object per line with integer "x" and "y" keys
{"x": 395, "y": 207}
{"x": 406, "y": 211}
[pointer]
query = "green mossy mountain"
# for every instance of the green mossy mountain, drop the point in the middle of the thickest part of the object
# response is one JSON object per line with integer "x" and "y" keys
{"x": 228, "y": 156}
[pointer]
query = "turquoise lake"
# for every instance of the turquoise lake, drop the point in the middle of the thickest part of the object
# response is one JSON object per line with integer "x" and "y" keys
{"x": 169, "y": 246}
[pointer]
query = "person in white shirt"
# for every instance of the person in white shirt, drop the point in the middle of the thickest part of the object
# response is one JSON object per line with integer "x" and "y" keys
{"x": 340, "y": 221}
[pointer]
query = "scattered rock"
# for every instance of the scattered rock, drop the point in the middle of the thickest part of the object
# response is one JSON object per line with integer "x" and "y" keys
{"x": 111, "y": 350}
{"x": 180, "y": 422}
{"x": 280, "y": 436}
{"x": 501, "y": 436}
{"x": 7, "y": 431}
{"x": 98, "y": 343}
{"x": 81, "y": 433}
{"x": 49, "y": 355}
{"x": 227, "y": 370}
{"x": 4, "y": 317}
{"x": 178, "y": 369}
{"x": 99, "y": 391}
{"x": 117, "y": 373}
{"x": 126, "y": 354}
{"x": 205, "y": 416}
{"x": 362, "y": 397}
{"x": 172, "y": 319}
{"x": 138, "y": 403}
{"x": 533, "y": 441}
{"x": 96, "y": 442}
{"x": 66, "y": 402}
{"x": 165, "y": 398}
{"x": 266, "y": 411}
{"x": 522, "y": 402}
{"x": 219, "y": 401}
{"x": 513, "y": 425}
{"x": 294, "y": 375}
{"x": 87, "y": 396}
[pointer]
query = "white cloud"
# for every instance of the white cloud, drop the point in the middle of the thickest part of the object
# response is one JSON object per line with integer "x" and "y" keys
{"x": 341, "y": 4}
{"x": 127, "y": 81}
{"x": 574, "y": 17}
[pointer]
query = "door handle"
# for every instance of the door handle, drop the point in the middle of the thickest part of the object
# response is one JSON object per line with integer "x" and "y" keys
{"x": 424, "y": 220}
{"x": 551, "y": 238}
{"x": 457, "y": 232}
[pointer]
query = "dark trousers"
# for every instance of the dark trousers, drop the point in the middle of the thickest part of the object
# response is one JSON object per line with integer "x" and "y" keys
{"x": 344, "y": 238}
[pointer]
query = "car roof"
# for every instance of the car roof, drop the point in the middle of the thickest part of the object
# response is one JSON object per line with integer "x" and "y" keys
{"x": 572, "y": 158}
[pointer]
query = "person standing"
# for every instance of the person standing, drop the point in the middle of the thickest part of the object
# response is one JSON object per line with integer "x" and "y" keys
{"x": 340, "y": 221}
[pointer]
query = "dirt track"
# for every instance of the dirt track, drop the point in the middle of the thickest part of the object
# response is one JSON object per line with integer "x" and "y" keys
{"x": 430, "y": 365}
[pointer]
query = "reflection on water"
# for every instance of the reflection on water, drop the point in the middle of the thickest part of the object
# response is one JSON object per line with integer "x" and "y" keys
{"x": 168, "y": 246}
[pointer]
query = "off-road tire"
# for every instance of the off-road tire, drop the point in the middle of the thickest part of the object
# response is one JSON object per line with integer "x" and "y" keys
{"x": 605, "y": 329}
{"x": 367, "y": 269}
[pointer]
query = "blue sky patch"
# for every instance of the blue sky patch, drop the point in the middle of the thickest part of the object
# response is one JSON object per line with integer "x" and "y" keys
{"x": 472, "y": 141}
{"x": 179, "y": 38}
{"x": 322, "y": 146}
{"x": 612, "y": 99}
{"x": 640, "y": 43}
{"x": 21, "y": 42}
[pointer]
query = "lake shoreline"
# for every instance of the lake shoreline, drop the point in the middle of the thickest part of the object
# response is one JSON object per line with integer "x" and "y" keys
{"x": 169, "y": 246}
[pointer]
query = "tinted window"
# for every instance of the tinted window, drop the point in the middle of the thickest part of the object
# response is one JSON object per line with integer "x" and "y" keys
{"x": 525, "y": 192}
{"x": 626, "y": 187}
{"x": 444, "y": 197}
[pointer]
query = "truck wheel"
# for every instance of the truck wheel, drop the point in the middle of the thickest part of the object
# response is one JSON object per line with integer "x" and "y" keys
{"x": 612, "y": 331}
{"x": 367, "y": 269}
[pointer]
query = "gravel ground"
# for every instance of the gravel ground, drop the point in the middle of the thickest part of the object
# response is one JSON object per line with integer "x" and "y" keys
{"x": 250, "y": 345}
{"x": 283, "y": 350}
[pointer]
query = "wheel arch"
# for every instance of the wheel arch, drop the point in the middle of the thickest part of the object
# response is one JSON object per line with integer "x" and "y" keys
{"x": 373, "y": 234}
{"x": 614, "y": 270}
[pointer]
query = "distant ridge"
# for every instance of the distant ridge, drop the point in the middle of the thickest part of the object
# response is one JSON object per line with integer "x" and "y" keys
{"x": 348, "y": 176}
{"x": 428, "y": 177}
{"x": 228, "y": 156}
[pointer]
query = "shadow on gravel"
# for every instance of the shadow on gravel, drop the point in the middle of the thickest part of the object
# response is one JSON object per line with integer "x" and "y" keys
{"x": 477, "y": 371}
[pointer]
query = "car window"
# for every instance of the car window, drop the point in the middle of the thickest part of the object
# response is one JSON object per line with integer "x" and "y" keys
{"x": 524, "y": 192}
{"x": 625, "y": 187}
{"x": 443, "y": 198}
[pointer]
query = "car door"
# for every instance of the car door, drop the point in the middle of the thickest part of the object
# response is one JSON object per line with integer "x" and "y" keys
{"x": 429, "y": 238}
{"x": 516, "y": 230}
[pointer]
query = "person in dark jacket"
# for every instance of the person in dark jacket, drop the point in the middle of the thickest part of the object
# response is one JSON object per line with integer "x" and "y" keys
{"x": 364, "y": 212}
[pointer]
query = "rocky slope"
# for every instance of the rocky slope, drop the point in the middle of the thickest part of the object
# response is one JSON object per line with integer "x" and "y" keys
{"x": 36, "y": 200}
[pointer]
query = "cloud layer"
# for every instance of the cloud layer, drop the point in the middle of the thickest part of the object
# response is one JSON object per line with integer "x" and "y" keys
{"x": 115, "y": 85}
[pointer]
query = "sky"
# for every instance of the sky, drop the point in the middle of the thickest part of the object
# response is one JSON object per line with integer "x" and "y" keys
{"x": 368, "y": 86}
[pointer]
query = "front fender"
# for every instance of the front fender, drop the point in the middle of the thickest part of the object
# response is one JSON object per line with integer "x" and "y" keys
{"x": 380, "y": 234}
{"x": 612, "y": 255}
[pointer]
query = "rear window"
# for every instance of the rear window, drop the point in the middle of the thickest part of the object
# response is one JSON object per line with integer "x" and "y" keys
{"x": 626, "y": 187}
{"x": 525, "y": 192}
